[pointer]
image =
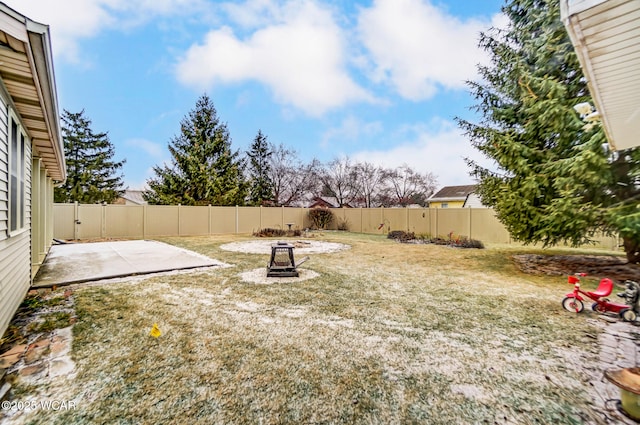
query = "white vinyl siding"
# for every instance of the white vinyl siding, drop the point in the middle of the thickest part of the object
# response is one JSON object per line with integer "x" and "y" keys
{"x": 15, "y": 275}
{"x": 15, "y": 249}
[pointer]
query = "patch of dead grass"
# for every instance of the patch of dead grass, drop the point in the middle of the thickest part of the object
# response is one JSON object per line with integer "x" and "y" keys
{"x": 388, "y": 333}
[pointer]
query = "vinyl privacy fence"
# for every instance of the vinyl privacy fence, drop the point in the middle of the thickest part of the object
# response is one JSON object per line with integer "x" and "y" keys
{"x": 79, "y": 221}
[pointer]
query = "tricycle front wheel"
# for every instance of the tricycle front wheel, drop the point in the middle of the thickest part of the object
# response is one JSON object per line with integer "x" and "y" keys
{"x": 572, "y": 304}
{"x": 628, "y": 315}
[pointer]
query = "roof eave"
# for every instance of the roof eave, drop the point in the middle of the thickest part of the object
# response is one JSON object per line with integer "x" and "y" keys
{"x": 38, "y": 54}
{"x": 592, "y": 28}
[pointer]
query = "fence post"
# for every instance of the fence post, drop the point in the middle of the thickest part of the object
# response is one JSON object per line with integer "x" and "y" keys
{"x": 144, "y": 221}
{"x": 260, "y": 228}
{"x": 406, "y": 220}
{"x": 237, "y": 219}
{"x": 209, "y": 220}
{"x": 103, "y": 220}
{"x": 470, "y": 229}
{"x": 75, "y": 220}
{"x": 179, "y": 221}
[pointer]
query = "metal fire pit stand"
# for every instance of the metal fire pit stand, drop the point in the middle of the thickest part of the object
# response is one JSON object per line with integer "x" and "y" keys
{"x": 282, "y": 263}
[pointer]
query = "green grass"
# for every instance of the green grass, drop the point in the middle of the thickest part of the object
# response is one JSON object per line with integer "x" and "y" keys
{"x": 388, "y": 333}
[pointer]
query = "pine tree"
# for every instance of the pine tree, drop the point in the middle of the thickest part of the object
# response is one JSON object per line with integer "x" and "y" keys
{"x": 92, "y": 174}
{"x": 553, "y": 182}
{"x": 204, "y": 169}
{"x": 260, "y": 153}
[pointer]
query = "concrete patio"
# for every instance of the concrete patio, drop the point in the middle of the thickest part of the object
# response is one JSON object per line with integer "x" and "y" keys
{"x": 83, "y": 262}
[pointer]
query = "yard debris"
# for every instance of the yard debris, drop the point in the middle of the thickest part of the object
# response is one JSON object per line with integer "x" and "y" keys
{"x": 155, "y": 331}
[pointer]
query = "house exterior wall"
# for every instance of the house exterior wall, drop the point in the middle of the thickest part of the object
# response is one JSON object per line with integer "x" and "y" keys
{"x": 449, "y": 204}
{"x": 473, "y": 201}
{"x": 41, "y": 213}
{"x": 31, "y": 154}
{"x": 15, "y": 246}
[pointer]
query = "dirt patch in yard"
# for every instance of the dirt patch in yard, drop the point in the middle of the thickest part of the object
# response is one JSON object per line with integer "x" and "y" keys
{"x": 597, "y": 266}
{"x": 301, "y": 246}
{"x": 260, "y": 276}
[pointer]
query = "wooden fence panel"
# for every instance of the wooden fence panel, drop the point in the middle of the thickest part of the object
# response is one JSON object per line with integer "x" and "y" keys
{"x": 64, "y": 221}
{"x": 248, "y": 219}
{"x": 486, "y": 227}
{"x": 124, "y": 221}
{"x": 90, "y": 222}
{"x": 161, "y": 220}
{"x": 135, "y": 221}
{"x": 419, "y": 221}
{"x": 194, "y": 221}
{"x": 223, "y": 220}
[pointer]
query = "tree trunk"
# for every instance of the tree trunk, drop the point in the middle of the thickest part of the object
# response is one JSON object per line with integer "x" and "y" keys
{"x": 632, "y": 249}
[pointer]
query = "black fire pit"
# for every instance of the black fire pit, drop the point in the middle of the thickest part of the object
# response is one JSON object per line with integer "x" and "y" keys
{"x": 282, "y": 263}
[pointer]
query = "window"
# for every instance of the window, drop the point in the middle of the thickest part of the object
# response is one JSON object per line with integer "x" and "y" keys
{"x": 444, "y": 205}
{"x": 17, "y": 198}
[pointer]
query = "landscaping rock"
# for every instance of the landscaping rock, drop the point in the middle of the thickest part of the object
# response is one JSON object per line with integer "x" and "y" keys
{"x": 596, "y": 266}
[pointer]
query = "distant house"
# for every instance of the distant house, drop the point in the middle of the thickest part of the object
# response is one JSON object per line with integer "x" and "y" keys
{"x": 31, "y": 155}
{"x": 455, "y": 197}
{"x": 326, "y": 202}
{"x": 131, "y": 197}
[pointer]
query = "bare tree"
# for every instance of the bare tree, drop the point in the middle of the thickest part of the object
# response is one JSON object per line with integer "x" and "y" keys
{"x": 339, "y": 179}
{"x": 371, "y": 182}
{"x": 407, "y": 186}
{"x": 292, "y": 179}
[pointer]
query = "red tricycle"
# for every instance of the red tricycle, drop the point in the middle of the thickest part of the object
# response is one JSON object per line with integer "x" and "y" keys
{"x": 573, "y": 301}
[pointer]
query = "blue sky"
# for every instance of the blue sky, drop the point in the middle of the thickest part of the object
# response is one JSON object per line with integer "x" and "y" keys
{"x": 377, "y": 81}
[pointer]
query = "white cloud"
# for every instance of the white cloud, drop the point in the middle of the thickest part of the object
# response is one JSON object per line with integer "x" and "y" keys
{"x": 351, "y": 129}
{"x": 252, "y": 13}
{"x": 80, "y": 19}
{"x": 150, "y": 148}
{"x": 439, "y": 148}
{"x": 417, "y": 48}
{"x": 301, "y": 57}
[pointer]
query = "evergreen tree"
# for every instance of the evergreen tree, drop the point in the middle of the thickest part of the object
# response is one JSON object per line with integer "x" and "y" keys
{"x": 554, "y": 182}
{"x": 204, "y": 169}
{"x": 260, "y": 153}
{"x": 92, "y": 174}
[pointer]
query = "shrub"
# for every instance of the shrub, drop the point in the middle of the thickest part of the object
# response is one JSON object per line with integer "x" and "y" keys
{"x": 465, "y": 242}
{"x": 401, "y": 235}
{"x": 343, "y": 224}
{"x": 320, "y": 217}
{"x": 451, "y": 239}
{"x": 269, "y": 233}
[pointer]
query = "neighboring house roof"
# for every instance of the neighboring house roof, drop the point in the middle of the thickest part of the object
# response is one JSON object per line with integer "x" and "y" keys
{"x": 134, "y": 197}
{"x": 26, "y": 68}
{"x": 452, "y": 193}
{"x": 326, "y": 202}
{"x": 606, "y": 37}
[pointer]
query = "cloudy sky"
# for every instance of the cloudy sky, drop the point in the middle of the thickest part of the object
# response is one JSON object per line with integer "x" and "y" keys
{"x": 379, "y": 81}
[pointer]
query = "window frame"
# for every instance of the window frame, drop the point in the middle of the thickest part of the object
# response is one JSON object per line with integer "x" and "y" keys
{"x": 17, "y": 176}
